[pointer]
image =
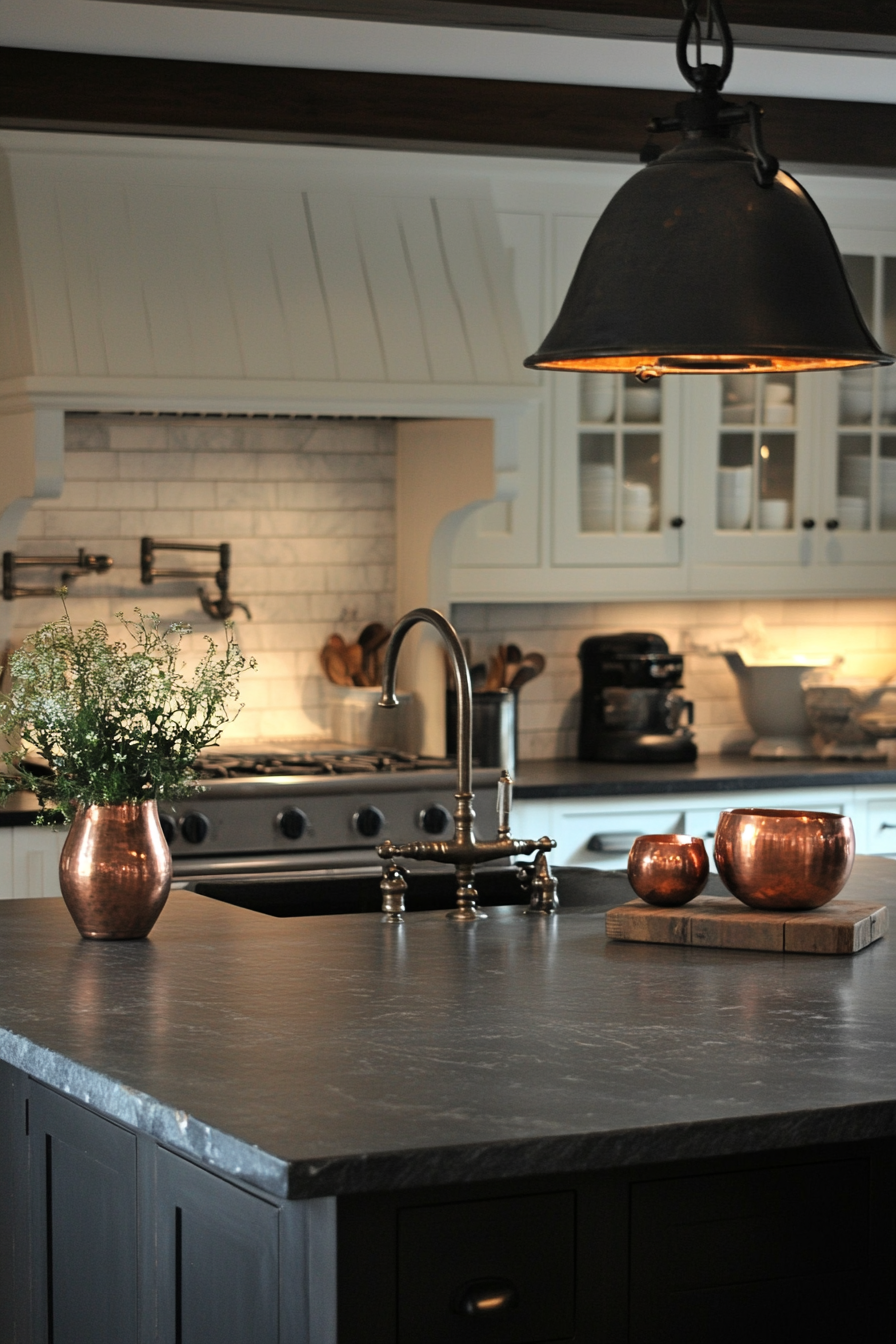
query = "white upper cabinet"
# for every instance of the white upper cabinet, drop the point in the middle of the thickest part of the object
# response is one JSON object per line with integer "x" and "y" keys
{"x": 747, "y": 486}
{"x": 858, "y": 425}
{"x": 616, "y": 486}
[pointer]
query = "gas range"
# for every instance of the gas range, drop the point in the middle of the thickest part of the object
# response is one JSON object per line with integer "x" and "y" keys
{"x": 312, "y": 807}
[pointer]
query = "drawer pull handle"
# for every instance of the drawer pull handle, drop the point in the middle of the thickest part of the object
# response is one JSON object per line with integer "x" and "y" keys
{"x": 611, "y": 844}
{"x": 486, "y": 1297}
{"x": 888, "y": 826}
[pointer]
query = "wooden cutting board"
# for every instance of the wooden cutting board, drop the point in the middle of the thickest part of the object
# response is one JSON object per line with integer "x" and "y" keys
{"x": 723, "y": 921}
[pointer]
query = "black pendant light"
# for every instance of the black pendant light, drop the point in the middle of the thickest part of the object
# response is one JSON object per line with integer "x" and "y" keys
{"x": 711, "y": 259}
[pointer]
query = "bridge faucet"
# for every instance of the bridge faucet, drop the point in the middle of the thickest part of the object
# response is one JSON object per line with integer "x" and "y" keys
{"x": 464, "y": 851}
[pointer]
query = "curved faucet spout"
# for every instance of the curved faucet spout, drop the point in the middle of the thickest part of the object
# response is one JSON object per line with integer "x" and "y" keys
{"x": 464, "y": 851}
{"x": 388, "y": 699}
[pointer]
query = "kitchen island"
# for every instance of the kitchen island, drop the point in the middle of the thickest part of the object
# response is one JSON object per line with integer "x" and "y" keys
{"x": 256, "y": 1129}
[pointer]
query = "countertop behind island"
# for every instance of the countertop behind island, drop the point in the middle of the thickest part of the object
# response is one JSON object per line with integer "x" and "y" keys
{"x": 708, "y": 774}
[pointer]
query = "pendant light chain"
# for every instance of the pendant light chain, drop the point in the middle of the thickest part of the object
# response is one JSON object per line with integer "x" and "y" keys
{"x": 701, "y": 75}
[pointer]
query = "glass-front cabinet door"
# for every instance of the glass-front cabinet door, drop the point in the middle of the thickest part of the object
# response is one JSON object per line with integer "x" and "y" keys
{"x": 616, "y": 479}
{"x": 859, "y": 504}
{"x": 750, "y": 483}
{"x": 616, "y": 466}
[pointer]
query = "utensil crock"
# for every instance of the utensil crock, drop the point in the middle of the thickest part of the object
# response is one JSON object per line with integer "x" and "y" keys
{"x": 115, "y": 870}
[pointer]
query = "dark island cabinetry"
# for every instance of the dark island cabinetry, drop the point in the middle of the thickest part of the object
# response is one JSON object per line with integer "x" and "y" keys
{"x": 106, "y": 1237}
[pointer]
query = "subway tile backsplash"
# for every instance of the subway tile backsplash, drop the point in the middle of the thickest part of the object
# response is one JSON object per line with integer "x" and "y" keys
{"x": 309, "y": 509}
{"x": 307, "y": 505}
{"x": 862, "y": 631}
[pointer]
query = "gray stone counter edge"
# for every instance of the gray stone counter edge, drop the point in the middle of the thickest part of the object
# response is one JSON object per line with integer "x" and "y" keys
{"x": 621, "y": 788}
{"x": 465, "y": 1163}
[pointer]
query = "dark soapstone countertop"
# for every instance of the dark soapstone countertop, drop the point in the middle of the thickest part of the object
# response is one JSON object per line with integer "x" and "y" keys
{"x": 324, "y": 1055}
{"x": 708, "y": 774}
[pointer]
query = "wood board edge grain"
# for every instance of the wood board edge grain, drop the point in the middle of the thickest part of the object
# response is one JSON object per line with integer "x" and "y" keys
{"x": 840, "y": 928}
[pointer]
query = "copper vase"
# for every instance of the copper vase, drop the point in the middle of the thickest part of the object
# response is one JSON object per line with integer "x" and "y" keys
{"x": 115, "y": 870}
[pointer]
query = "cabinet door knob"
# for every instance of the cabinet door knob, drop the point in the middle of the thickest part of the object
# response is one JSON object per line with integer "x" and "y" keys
{"x": 676, "y": 522}
{"x": 808, "y": 524}
{"x": 832, "y": 524}
{"x": 485, "y": 1297}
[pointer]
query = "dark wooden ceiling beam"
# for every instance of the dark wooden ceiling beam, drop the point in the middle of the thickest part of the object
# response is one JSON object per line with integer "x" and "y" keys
{"x": 835, "y": 16}
{"x": 141, "y": 96}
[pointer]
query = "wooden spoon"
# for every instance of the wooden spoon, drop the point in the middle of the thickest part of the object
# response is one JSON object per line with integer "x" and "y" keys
{"x": 531, "y": 667}
{"x": 372, "y": 639}
{"x": 332, "y": 660}
{"x": 495, "y": 679}
{"x": 354, "y": 662}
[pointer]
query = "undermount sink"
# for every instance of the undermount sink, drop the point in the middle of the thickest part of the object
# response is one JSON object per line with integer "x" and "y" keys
{"x": 354, "y": 894}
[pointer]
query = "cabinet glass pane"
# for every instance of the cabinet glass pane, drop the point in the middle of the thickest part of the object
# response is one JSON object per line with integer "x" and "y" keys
{"x": 597, "y": 482}
{"x": 735, "y": 482}
{"x": 597, "y": 398}
{"x": 756, "y": 474}
{"x": 641, "y": 401}
{"x": 860, "y": 271}
{"x": 777, "y": 462}
{"x": 739, "y": 398}
{"x": 866, "y": 464}
{"x": 854, "y": 482}
{"x": 641, "y": 482}
{"x": 620, "y": 463}
{"x": 886, "y": 482}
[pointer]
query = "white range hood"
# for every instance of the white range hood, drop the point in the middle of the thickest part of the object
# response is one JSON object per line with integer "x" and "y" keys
{"x": 194, "y": 276}
{"x": 164, "y": 275}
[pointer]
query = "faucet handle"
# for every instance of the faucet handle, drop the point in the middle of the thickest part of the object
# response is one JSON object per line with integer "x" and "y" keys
{"x": 393, "y": 886}
{"x": 505, "y": 803}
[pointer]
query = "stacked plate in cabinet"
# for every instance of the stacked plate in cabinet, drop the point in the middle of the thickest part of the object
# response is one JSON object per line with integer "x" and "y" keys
{"x": 735, "y": 497}
{"x": 855, "y": 484}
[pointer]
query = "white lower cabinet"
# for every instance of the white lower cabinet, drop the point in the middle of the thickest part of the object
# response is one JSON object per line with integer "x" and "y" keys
{"x": 598, "y": 832}
{"x": 880, "y": 826}
{"x": 29, "y": 860}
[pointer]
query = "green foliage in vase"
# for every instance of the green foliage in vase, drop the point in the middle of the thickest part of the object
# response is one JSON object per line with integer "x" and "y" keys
{"x": 114, "y": 722}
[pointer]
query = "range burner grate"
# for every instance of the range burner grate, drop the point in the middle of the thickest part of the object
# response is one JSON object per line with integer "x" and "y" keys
{"x": 248, "y": 765}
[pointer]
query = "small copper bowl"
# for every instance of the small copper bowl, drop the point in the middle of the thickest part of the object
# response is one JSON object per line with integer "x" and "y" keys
{"x": 668, "y": 869}
{"x": 779, "y": 860}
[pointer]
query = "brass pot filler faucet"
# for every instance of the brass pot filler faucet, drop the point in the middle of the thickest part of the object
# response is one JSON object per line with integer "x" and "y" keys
{"x": 464, "y": 851}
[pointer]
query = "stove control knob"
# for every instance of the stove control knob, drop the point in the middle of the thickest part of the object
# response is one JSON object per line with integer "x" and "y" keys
{"x": 168, "y": 825}
{"x": 369, "y": 822}
{"x": 292, "y": 823}
{"x": 195, "y": 827}
{"x": 434, "y": 820}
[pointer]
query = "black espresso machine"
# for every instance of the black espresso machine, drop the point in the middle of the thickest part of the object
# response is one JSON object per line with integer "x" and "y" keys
{"x": 631, "y": 709}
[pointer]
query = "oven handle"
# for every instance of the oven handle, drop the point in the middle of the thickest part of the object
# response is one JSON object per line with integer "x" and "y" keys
{"x": 293, "y": 875}
{"x": 215, "y": 865}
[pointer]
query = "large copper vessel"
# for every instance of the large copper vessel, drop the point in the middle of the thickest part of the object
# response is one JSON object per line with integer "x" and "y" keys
{"x": 115, "y": 870}
{"x": 780, "y": 860}
{"x": 668, "y": 869}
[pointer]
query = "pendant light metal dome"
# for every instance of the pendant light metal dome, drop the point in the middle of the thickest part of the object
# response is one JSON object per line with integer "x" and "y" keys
{"x": 711, "y": 259}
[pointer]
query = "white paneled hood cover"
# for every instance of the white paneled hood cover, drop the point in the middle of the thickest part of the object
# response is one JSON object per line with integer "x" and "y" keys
{"x": 158, "y": 274}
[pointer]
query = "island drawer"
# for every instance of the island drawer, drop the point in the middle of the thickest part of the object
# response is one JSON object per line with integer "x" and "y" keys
{"x": 501, "y": 1269}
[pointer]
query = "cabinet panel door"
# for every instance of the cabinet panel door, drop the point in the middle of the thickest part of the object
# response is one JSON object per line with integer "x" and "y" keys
{"x": 218, "y": 1256}
{"x": 496, "y": 1269}
{"x": 84, "y": 1224}
{"x": 781, "y": 1253}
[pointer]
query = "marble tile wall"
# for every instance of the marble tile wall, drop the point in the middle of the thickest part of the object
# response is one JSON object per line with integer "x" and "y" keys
{"x": 308, "y": 507}
{"x": 862, "y": 631}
